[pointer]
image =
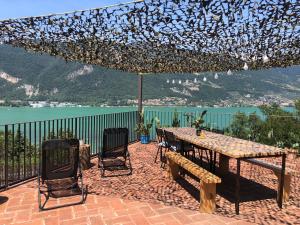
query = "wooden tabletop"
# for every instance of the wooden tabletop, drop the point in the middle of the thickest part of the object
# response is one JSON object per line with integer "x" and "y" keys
{"x": 229, "y": 146}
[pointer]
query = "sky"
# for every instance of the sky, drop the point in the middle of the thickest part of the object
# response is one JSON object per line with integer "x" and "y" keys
{"x": 24, "y": 8}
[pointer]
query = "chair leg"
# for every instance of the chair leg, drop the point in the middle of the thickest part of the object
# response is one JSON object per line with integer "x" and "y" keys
{"x": 42, "y": 206}
{"x": 158, "y": 151}
{"x": 101, "y": 166}
{"x": 129, "y": 162}
{"x": 39, "y": 194}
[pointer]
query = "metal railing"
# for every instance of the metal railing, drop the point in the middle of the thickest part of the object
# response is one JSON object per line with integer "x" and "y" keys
{"x": 213, "y": 121}
{"x": 20, "y": 143}
{"x": 229, "y": 124}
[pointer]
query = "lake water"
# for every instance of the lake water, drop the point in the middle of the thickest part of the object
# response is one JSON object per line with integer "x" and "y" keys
{"x": 9, "y": 115}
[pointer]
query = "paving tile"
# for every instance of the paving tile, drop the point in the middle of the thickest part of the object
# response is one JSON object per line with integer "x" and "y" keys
{"x": 118, "y": 220}
{"x": 82, "y": 220}
{"x": 6, "y": 221}
{"x": 65, "y": 214}
{"x": 139, "y": 219}
{"x": 96, "y": 220}
{"x": 51, "y": 221}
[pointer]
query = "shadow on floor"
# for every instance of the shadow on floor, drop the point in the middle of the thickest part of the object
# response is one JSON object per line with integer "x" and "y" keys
{"x": 3, "y": 199}
{"x": 227, "y": 188}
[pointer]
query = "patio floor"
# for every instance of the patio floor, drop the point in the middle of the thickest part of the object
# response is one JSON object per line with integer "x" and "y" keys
{"x": 148, "y": 196}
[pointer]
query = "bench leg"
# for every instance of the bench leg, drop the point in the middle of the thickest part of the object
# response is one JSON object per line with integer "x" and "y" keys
{"x": 207, "y": 197}
{"x": 286, "y": 186}
{"x": 223, "y": 164}
{"x": 173, "y": 169}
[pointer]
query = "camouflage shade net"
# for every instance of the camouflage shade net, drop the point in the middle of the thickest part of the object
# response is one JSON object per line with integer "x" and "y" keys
{"x": 169, "y": 36}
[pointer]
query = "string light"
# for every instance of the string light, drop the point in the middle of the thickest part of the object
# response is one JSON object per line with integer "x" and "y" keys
{"x": 254, "y": 58}
{"x": 265, "y": 59}
{"x": 216, "y": 76}
{"x": 229, "y": 72}
{"x": 204, "y": 79}
{"x": 245, "y": 66}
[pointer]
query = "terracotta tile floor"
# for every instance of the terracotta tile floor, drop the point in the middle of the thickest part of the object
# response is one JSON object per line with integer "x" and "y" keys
{"x": 21, "y": 208}
{"x": 148, "y": 196}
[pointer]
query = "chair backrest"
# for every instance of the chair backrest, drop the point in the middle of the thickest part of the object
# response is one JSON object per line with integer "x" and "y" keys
{"x": 60, "y": 159}
{"x": 115, "y": 141}
{"x": 159, "y": 134}
{"x": 170, "y": 138}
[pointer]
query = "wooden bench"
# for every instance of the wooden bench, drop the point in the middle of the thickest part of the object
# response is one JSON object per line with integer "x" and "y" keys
{"x": 277, "y": 171}
{"x": 208, "y": 180}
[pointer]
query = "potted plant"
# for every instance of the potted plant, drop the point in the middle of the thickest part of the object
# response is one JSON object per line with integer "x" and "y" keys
{"x": 198, "y": 122}
{"x": 175, "y": 120}
{"x": 143, "y": 129}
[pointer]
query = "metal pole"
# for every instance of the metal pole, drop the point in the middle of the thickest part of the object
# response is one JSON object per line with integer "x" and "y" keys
{"x": 237, "y": 187}
{"x": 281, "y": 180}
{"x": 140, "y": 96}
{"x": 6, "y": 155}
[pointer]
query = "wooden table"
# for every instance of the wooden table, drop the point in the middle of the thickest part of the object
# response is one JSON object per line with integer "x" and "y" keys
{"x": 84, "y": 156}
{"x": 229, "y": 147}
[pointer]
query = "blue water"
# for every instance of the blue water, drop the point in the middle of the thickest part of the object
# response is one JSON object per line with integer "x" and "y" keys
{"x": 9, "y": 115}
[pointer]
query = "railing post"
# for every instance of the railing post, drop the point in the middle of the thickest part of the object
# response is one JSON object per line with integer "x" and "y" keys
{"x": 140, "y": 96}
{"x": 6, "y": 155}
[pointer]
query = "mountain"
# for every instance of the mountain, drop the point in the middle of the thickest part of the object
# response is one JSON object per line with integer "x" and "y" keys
{"x": 32, "y": 76}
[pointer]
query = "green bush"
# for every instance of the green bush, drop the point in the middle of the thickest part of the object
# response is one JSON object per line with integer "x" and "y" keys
{"x": 278, "y": 127}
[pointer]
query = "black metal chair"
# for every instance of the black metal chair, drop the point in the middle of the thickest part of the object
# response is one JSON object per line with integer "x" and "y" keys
{"x": 161, "y": 144}
{"x": 175, "y": 145}
{"x": 60, "y": 172}
{"x": 115, "y": 145}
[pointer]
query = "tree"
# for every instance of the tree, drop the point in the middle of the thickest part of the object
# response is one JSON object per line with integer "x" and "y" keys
{"x": 277, "y": 127}
{"x": 239, "y": 126}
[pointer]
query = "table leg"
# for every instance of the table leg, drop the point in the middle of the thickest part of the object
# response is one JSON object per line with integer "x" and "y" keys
{"x": 211, "y": 160}
{"x": 182, "y": 153}
{"x": 182, "y": 147}
{"x": 237, "y": 187}
{"x": 282, "y": 180}
{"x": 223, "y": 164}
{"x": 201, "y": 156}
{"x": 214, "y": 162}
{"x": 160, "y": 152}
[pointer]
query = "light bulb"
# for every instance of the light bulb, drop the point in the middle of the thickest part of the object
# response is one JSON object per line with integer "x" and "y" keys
{"x": 195, "y": 80}
{"x": 265, "y": 59}
{"x": 216, "y": 76}
{"x": 229, "y": 72}
{"x": 204, "y": 79}
{"x": 179, "y": 82}
{"x": 245, "y": 66}
{"x": 173, "y": 81}
{"x": 168, "y": 81}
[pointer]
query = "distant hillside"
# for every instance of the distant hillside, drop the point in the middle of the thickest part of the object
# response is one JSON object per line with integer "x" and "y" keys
{"x": 31, "y": 76}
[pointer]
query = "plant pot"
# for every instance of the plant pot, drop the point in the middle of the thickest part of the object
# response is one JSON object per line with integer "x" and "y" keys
{"x": 145, "y": 139}
{"x": 198, "y": 132}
